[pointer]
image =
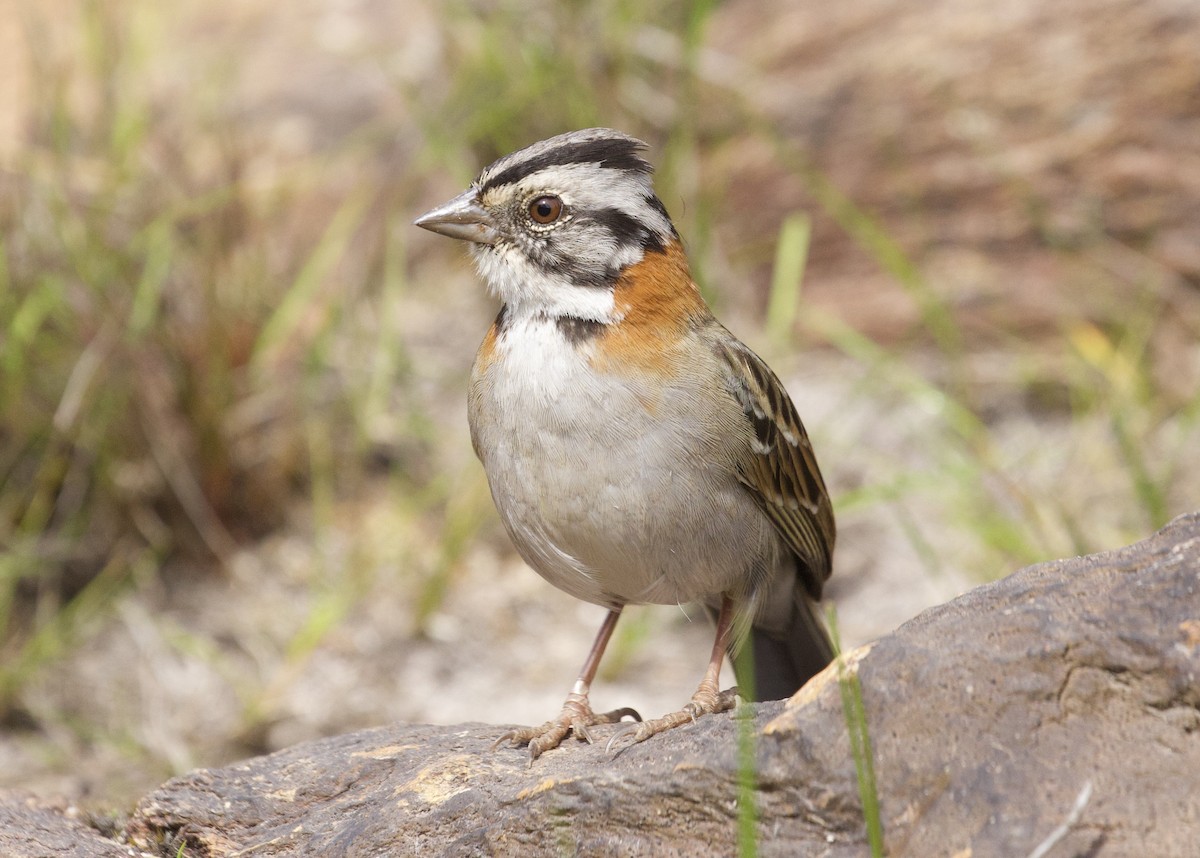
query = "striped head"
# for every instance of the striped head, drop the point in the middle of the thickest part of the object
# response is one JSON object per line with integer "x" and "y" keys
{"x": 552, "y": 226}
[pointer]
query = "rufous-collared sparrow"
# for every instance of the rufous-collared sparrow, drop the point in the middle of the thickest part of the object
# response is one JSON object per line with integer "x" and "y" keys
{"x": 636, "y": 450}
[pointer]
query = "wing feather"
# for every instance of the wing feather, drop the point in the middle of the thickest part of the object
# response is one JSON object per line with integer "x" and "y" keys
{"x": 780, "y": 470}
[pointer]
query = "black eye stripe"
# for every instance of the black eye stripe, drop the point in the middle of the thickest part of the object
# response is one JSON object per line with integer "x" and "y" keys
{"x": 626, "y": 228}
{"x": 655, "y": 203}
{"x": 552, "y": 257}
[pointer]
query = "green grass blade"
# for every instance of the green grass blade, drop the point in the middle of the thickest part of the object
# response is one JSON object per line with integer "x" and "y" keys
{"x": 300, "y": 298}
{"x": 860, "y": 742}
{"x": 791, "y": 257}
{"x": 747, "y": 782}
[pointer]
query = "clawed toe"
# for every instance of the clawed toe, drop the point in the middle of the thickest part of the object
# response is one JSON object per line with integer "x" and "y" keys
{"x": 576, "y": 718}
{"x": 510, "y": 736}
{"x": 553, "y": 737}
{"x": 616, "y": 737}
{"x": 702, "y": 703}
{"x": 618, "y": 715}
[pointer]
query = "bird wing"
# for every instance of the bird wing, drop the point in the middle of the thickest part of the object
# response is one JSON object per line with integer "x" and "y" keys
{"x": 780, "y": 470}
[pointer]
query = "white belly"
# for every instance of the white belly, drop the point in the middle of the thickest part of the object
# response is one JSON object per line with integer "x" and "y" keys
{"x": 614, "y": 492}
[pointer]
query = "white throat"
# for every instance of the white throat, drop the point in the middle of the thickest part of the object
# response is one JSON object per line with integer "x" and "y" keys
{"x": 528, "y": 291}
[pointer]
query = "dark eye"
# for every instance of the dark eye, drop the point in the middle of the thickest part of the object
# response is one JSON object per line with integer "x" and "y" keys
{"x": 545, "y": 209}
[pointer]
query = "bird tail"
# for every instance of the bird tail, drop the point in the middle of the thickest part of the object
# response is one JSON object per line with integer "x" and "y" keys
{"x": 771, "y": 665}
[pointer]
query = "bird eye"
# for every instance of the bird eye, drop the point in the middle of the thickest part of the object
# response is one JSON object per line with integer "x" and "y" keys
{"x": 546, "y": 209}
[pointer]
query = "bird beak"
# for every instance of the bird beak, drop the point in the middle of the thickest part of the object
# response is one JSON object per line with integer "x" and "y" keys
{"x": 463, "y": 218}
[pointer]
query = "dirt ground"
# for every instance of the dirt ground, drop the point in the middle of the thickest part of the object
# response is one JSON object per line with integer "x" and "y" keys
{"x": 312, "y": 631}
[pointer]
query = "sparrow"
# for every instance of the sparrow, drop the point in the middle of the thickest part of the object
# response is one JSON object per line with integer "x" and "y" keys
{"x": 636, "y": 451}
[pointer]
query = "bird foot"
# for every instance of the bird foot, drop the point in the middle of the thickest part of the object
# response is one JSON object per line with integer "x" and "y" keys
{"x": 576, "y": 717}
{"x": 705, "y": 701}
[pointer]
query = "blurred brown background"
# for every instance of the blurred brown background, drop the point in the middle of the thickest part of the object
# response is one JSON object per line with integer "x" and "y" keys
{"x": 238, "y": 506}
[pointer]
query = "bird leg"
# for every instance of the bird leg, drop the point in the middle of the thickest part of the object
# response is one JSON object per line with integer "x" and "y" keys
{"x": 576, "y": 715}
{"x": 708, "y": 699}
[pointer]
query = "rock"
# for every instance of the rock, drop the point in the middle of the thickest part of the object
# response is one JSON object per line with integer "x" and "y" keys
{"x": 32, "y": 828}
{"x": 1058, "y": 708}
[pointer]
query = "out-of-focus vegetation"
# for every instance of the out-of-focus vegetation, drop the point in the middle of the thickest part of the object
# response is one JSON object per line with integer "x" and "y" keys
{"x": 191, "y": 336}
{"x": 206, "y": 316}
{"x": 168, "y": 319}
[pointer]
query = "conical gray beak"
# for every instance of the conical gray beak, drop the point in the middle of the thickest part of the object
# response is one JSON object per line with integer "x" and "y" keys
{"x": 463, "y": 218}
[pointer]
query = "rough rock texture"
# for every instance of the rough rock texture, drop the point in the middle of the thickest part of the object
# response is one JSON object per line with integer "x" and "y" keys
{"x": 30, "y": 828}
{"x": 988, "y": 715}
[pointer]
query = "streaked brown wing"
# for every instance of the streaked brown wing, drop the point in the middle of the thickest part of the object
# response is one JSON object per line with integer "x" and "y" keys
{"x": 781, "y": 470}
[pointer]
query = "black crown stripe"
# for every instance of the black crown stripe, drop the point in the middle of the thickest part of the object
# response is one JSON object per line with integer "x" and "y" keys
{"x": 612, "y": 153}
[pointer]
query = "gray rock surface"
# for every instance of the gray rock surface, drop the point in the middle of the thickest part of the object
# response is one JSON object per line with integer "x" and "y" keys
{"x": 1057, "y": 709}
{"x": 34, "y": 828}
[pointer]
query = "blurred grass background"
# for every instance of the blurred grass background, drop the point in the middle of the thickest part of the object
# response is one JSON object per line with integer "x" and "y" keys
{"x": 237, "y": 501}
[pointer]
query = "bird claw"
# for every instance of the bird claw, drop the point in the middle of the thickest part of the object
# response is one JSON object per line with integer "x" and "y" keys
{"x": 622, "y": 733}
{"x": 576, "y": 717}
{"x": 510, "y": 735}
{"x": 703, "y": 702}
